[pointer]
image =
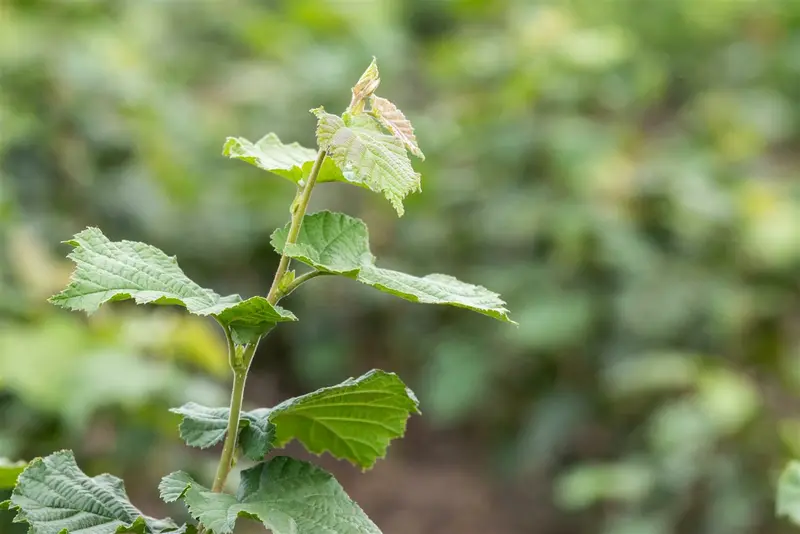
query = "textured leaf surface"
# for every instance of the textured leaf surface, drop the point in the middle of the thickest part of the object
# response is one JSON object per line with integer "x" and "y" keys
{"x": 174, "y": 485}
{"x": 204, "y": 427}
{"x": 329, "y": 242}
{"x": 288, "y": 496}
{"x": 338, "y": 243}
{"x": 9, "y": 471}
{"x": 393, "y": 120}
{"x": 291, "y": 161}
{"x": 366, "y": 155}
{"x": 788, "y": 500}
{"x": 354, "y": 420}
{"x": 54, "y": 496}
{"x": 108, "y": 271}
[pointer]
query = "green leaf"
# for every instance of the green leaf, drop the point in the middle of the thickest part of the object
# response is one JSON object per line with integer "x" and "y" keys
{"x": 291, "y": 161}
{"x": 108, "y": 271}
{"x": 9, "y": 471}
{"x": 55, "y": 497}
{"x": 329, "y": 242}
{"x": 288, "y": 496}
{"x": 788, "y": 500}
{"x": 366, "y": 155}
{"x": 173, "y": 486}
{"x": 338, "y": 243}
{"x": 204, "y": 427}
{"x": 393, "y": 120}
{"x": 354, "y": 420}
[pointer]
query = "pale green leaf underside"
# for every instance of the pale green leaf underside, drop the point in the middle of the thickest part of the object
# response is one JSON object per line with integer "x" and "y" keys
{"x": 338, "y": 243}
{"x": 788, "y": 500}
{"x": 291, "y": 161}
{"x": 54, "y": 496}
{"x": 9, "y": 471}
{"x": 204, "y": 427}
{"x": 288, "y": 496}
{"x": 355, "y": 420}
{"x": 108, "y": 271}
{"x": 367, "y": 155}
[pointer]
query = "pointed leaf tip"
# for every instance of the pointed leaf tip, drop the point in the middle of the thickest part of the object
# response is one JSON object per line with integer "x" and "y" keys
{"x": 365, "y": 86}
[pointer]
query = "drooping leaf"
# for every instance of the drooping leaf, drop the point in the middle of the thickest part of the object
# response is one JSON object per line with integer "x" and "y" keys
{"x": 338, "y": 243}
{"x": 365, "y": 86}
{"x": 108, "y": 271}
{"x": 291, "y": 161}
{"x": 55, "y": 497}
{"x": 393, "y": 120}
{"x": 329, "y": 242}
{"x": 355, "y": 420}
{"x": 204, "y": 427}
{"x": 288, "y": 496}
{"x": 366, "y": 155}
{"x": 788, "y": 501}
{"x": 9, "y": 471}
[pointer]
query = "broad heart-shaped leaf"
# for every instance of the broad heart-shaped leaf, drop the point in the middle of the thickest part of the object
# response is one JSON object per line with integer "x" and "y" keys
{"x": 108, "y": 271}
{"x": 354, "y": 420}
{"x": 366, "y": 155}
{"x": 204, "y": 427}
{"x": 291, "y": 161}
{"x": 393, "y": 120}
{"x": 788, "y": 501}
{"x": 288, "y": 496}
{"x": 329, "y": 242}
{"x": 55, "y": 497}
{"x": 338, "y": 243}
{"x": 9, "y": 471}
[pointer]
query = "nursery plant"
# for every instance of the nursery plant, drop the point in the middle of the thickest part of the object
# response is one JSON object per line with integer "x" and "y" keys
{"x": 366, "y": 146}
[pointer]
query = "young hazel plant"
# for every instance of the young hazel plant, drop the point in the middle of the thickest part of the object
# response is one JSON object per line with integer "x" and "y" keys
{"x": 366, "y": 146}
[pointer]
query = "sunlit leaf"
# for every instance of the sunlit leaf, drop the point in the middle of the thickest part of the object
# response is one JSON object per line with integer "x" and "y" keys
{"x": 393, "y": 120}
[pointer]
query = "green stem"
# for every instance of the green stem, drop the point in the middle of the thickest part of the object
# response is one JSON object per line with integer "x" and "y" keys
{"x": 241, "y": 367}
{"x": 297, "y": 282}
{"x": 299, "y": 207}
{"x": 237, "y": 395}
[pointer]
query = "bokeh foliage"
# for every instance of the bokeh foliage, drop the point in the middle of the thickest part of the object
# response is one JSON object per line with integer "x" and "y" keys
{"x": 624, "y": 171}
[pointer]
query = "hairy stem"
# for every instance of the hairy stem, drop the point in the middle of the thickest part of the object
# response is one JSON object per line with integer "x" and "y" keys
{"x": 240, "y": 369}
{"x": 241, "y": 365}
{"x": 299, "y": 207}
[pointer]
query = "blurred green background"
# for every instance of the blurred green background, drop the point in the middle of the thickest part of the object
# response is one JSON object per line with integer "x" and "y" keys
{"x": 624, "y": 172}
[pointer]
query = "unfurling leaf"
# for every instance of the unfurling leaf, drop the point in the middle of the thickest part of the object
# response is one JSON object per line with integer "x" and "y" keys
{"x": 288, "y": 496}
{"x": 788, "y": 500}
{"x": 291, "y": 161}
{"x": 345, "y": 243}
{"x": 393, "y": 120}
{"x": 365, "y": 86}
{"x": 204, "y": 427}
{"x": 55, "y": 497}
{"x": 9, "y": 471}
{"x": 108, "y": 271}
{"x": 366, "y": 155}
{"x": 355, "y": 420}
